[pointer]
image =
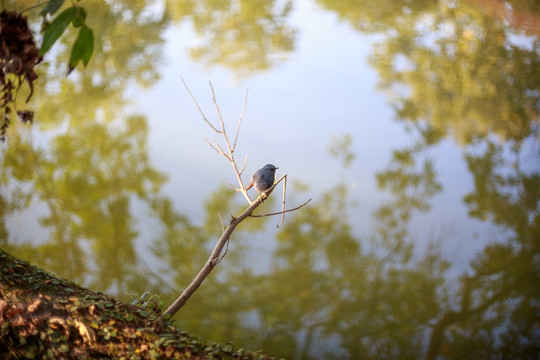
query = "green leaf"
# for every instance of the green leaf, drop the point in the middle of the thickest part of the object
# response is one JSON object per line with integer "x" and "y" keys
{"x": 57, "y": 27}
{"x": 83, "y": 48}
{"x": 89, "y": 39}
{"x": 79, "y": 18}
{"x": 51, "y": 7}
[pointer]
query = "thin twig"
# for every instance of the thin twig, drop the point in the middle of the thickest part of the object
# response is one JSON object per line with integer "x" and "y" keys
{"x": 234, "y": 187}
{"x": 230, "y": 149}
{"x": 240, "y": 121}
{"x": 213, "y": 147}
{"x": 244, "y": 165}
{"x": 283, "y": 202}
{"x": 29, "y": 8}
{"x": 218, "y": 112}
{"x": 221, "y": 221}
{"x": 282, "y": 212}
{"x": 219, "y": 147}
{"x": 225, "y": 252}
{"x": 198, "y": 107}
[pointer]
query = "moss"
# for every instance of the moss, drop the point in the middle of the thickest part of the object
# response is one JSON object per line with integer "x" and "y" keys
{"x": 44, "y": 317}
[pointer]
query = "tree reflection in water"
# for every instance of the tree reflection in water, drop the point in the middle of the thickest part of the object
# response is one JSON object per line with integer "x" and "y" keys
{"x": 244, "y": 36}
{"x": 451, "y": 71}
{"x": 94, "y": 168}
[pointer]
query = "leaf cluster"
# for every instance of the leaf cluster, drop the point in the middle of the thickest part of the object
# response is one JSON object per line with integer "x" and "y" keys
{"x": 19, "y": 54}
{"x": 75, "y": 15}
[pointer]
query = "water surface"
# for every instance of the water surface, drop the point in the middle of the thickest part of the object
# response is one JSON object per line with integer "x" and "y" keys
{"x": 413, "y": 126}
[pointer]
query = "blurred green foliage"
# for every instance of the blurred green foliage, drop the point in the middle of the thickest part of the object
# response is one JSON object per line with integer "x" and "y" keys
{"x": 451, "y": 70}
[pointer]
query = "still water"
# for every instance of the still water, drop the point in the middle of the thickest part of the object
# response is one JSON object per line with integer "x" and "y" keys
{"x": 412, "y": 126}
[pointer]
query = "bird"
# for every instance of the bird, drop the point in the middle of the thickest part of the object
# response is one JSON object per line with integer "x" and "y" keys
{"x": 263, "y": 179}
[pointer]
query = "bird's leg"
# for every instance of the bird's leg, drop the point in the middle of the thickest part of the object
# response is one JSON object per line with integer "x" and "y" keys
{"x": 263, "y": 197}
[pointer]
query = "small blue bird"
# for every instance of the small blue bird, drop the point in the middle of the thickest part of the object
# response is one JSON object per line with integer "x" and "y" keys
{"x": 263, "y": 179}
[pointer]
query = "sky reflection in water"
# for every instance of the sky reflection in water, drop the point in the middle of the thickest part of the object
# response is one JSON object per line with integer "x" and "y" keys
{"x": 379, "y": 264}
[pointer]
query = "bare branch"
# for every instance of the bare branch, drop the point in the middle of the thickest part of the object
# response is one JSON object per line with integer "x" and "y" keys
{"x": 240, "y": 122}
{"x": 225, "y": 252}
{"x": 282, "y": 212}
{"x": 230, "y": 155}
{"x": 219, "y": 151}
{"x": 244, "y": 165}
{"x": 219, "y": 113}
{"x": 283, "y": 202}
{"x": 242, "y": 186}
{"x": 198, "y": 107}
{"x": 221, "y": 221}
{"x": 212, "y": 261}
{"x": 216, "y": 256}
